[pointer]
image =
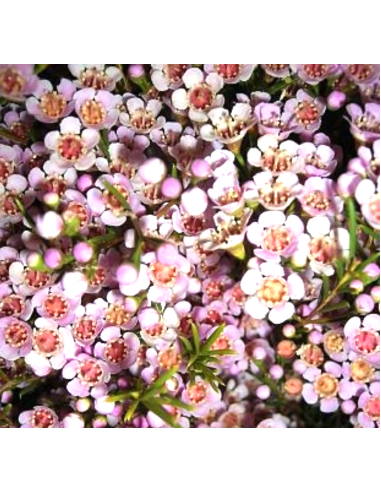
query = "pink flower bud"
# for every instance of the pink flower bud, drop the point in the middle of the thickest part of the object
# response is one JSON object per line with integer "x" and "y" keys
{"x": 52, "y": 200}
{"x": 336, "y": 100}
{"x": 276, "y": 371}
{"x": 53, "y": 258}
{"x": 348, "y": 407}
{"x": 194, "y": 202}
{"x": 135, "y": 71}
{"x": 73, "y": 421}
{"x": 99, "y": 422}
{"x": 263, "y": 392}
{"x": 356, "y": 286}
{"x": 315, "y": 337}
{"x": 153, "y": 170}
{"x": 200, "y": 168}
{"x": 83, "y": 252}
{"x": 83, "y": 404}
{"x": 289, "y": 331}
{"x": 171, "y": 187}
{"x": 84, "y": 182}
{"x": 259, "y": 353}
{"x": 372, "y": 270}
{"x": 35, "y": 261}
{"x": 75, "y": 283}
{"x": 50, "y": 225}
{"x": 126, "y": 274}
{"x": 375, "y": 293}
{"x": 364, "y": 304}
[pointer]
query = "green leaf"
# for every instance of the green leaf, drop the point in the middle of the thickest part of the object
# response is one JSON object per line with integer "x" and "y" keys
{"x": 40, "y": 68}
{"x": 175, "y": 402}
{"x": 340, "y": 264}
{"x": 325, "y": 291}
{"x": 336, "y": 307}
{"x": 187, "y": 345}
{"x": 352, "y": 226}
{"x": 371, "y": 232}
{"x": 154, "y": 407}
{"x": 137, "y": 254}
{"x": 125, "y": 395}
{"x": 121, "y": 199}
{"x": 372, "y": 259}
{"x": 159, "y": 383}
{"x": 196, "y": 337}
{"x": 131, "y": 411}
{"x": 213, "y": 337}
{"x": 222, "y": 352}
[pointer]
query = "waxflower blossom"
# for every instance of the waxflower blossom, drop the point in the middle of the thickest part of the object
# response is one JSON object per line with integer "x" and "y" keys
{"x": 231, "y": 73}
{"x": 369, "y": 198}
{"x": 48, "y": 105}
{"x": 17, "y": 81}
{"x": 98, "y": 77}
{"x": 364, "y": 124}
{"x": 313, "y": 74}
{"x": 275, "y": 157}
{"x": 96, "y": 109}
{"x": 305, "y": 111}
{"x": 142, "y": 117}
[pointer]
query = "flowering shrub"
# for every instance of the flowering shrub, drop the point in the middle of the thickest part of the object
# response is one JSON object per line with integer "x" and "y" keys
{"x": 189, "y": 245}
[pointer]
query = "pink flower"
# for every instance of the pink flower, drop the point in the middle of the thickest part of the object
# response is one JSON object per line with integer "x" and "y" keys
{"x": 368, "y": 198}
{"x": 97, "y": 109}
{"x": 275, "y": 157}
{"x": 17, "y": 81}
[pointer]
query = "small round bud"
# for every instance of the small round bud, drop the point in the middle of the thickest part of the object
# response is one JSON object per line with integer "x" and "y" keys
{"x": 51, "y": 200}
{"x": 126, "y": 274}
{"x": 50, "y": 225}
{"x": 53, "y": 258}
{"x": 153, "y": 170}
{"x": 83, "y": 252}
{"x": 83, "y": 404}
{"x": 293, "y": 387}
{"x": 200, "y": 168}
{"x": 372, "y": 270}
{"x": 136, "y": 71}
{"x": 171, "y": 188}
{"x": 99, "y": 422}
{"x": 336, "y": 100}
{"x": 276, "y": 371}
{"x": 85, "y": 182}
{"x": 375, "y": 293}
{"x": 348, "y": 407}
{"x": 364, "y": 304}
{"x": 194, "y": 202}
{"x": 289, "y": 331}
{"x": 263, "y": 392}
{"x": 286, "y": 349}
{"x": 315, "y": 337}
{"x": 356, "y": 286}
{"x": 259, "y": 353}
{"x": 73, "y": 421}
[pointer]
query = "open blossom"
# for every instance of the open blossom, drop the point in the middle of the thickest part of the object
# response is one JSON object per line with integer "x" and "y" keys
{"x": 201, "y": 396}
{"x": 118, "y": 350}
{"x": 200, "y": 95}
{"x": 87, "y": 375}
{"x": 141, "y": 116}
{"x": 364, "y": 123}
{"x": 271, "y": 291}
{"x": 305, "y": 111}
{"x": 363, "y": 337}
{"x": 97, "y": 109}
{"x": 15, "y": 338}
{"x": 231, "y": 73}
{"x": 271, "y": 119}
{"x": 313, "y": 74}
{"x": 316, "y": 160}
{"x": 320, "y": 197}
{"x": 362, "y": 73}
{"x": 275, "y": 157}
{"x": 98, "y": 77}
{"x": 17, "y": 81}
{"x": 72, "y": 147}
{"x": 369, "y": 199}
{"x": 368, "y": 162}
{"x": 39, "y": 418}
{"x": 168, "y": 76}
{"x": 277, "y": 70}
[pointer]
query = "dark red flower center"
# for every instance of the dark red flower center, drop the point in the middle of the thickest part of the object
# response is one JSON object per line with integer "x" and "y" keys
{"x": 56, "y": 306}
{"x": 367, "y": 341}
{"x": 90, "y": 372}
{"x": 116, "y": 350}
{"x": 71, "y": 147}
{"x": 47, "y": 342}
{"x": 16, "y": 334}
{"x": 201, "y": 97}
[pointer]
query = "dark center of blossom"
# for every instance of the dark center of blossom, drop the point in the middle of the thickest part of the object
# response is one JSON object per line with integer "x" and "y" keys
{"x": 323, "y": 249}
{"x": 93, "y": 78}
{"x": 273, "y": 292}
{"x": 12, "y": 305}
{"x": 52, "y": 104}
{"x": 54, "y": 184}
{"x": 153, "y": 193}
{"x": 333, "y": 342}
{"x": 98, "y": 276}
{"x": 213, "y": 317}
{"x": 155, "y": 330}
{"x": 4, "y": 270}
{"x": 318, "y": 200}
{"x": 11, "y": 81}
{"x": 276, "y": 161}
{"x": 360, "y": 72}
{"x": 367, "y": 342}
{"x": 279, "y": 67}
{"x": 375, "y": 166}
{"x": 85, "y": 329}
{"x": 168, "y": 358}
{"x": 19, "y": 129}
{"x": 275, "y": 195}
{"x": 76, "y": 209}
{"x": 163, "y": 275}
{"x": 228, "y": 71}
{"x": 193, "y": 225}
{"x": 312, "y": 355}
{"x": 112, "y": 202}
{"x": 90, "y": 372}
{"x": 16, "y": 335}
{"x": 142, "y": 120}
{"x": 276, "y": 239}
{"x": 374, "y": 206}
{"x": 6, "y": 169}
{"x": 37, "y": 160}
{"x": 8, "y": 204}
{"x": 307, "y": 113}
{"x": 238, "y": 295}
{"x": 185, "y": 327}
{"x": 368, "y": 122}
{"x": 293, "y": 386}
{"x": 119, "y": 165}
{"x": 228, "y": 128}
{"x": 56, "y": 306}
{"x": 71, "y": 147}
{"x": 326, "y": 386}
{"x": 372, "y": 408}
{"x": 116, "y": 314}
{"x": 174, "y": 72}
{"x": 222, "y": 343}
{"x": 116, "y": 350}
{"x": 93, "y": 112}
{"x": 214, "y": 289}
{"x": 201, "y": 97}
{"x": 230, "y": 195}
{"x": 362, "y": 371}
{"x": 315, "y": 71}
{"x": 46, "y": 342}
{"x": 36, "y": 279}
{"x": 43, "y": 418}
{"x": 314, "y": 160}
{"x": 197, "y": 393}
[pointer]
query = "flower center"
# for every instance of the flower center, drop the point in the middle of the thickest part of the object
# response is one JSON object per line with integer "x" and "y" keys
{"x": 367, "y": 342}
{"x": 36, "y": 279}
{"x": 238, "y": 295}
{"x": 222, "y": 343}
{"x": 372, "y": 408}
{"x": 6, "y": 169}
{"x": 315, "y": 71}
{"x": 314, "y": 160}
{"x": 361, "y": 371}
{"x": 98, "y": 276}
{"x": 323, "y": 249}
{"x": 43, "y": 418}
{"x": 312, "y": 355}
{"x": 275, "y": 195}
{"x": 11, "y": 81}
{"x": 374, "y": 206}
{"x": 193, "y": 225}
{"x": 16, "y": 335}
{"x": 230, "y": 195}
{"x": 375, "y": 166}
{"x": 273, "y": 292}
{"x": 85, "y": 329}
{"x": 368, "y": 122}
{"x": 116, "y": 314}
{"x": 276, "y": 239}
{"x": 93, "y": 78}
{"x": 76, "y": 209}
{"x": 276, "y": 161}
{"x": 201, "y": 97}
{"x": 307, "y": 113}
{"x": 90, "y": 372}
{"x": 228, "y": 128}
{"x": 360, "y": 72}
{"x": 93, "y": 112}
{"x": 333, "y": 342}
{"x": 213, "y": 318}
{"x": 19, "y": 129}
{"x": 47, "y": 342}
{"x": 116, "y": 350}
{"x": 168, "y": 358}
{"x": 318, "y": 200}
{"x": 142, "y": 120}
{"x": 214, "y": 289}
{"x": 54, "y": 184}
{"x": 52, "y": 104}
{"x": 174, "y": 72}
{"x": 12, "y": 305}
{"x": 4, "y": 270}
{"x": 277, "y": 67}
{"x": 155, "y": 330}
{"x": 326, "y": 386}
{"x": 9, "y": 205}
{"x": 228, "y": 71}
{"x": 56, "y": 306}
{"x": 112, "y": 202}
{"x": 163, "y": 275}
{"x": 71, "y": 147}
{"x": 197, "y": 393}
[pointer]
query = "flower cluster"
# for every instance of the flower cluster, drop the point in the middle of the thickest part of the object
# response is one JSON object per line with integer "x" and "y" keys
{"x": 189, "y": 245}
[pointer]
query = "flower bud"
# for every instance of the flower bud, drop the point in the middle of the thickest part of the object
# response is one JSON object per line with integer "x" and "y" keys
{"x": 99, "y": 422}
{"x": 136, "y": 71}
{"x": 315, "y": 337}
{"x": 84, "y": 182}
{"x": 73, "y": 421}
{"x": 263, "y": 392}
{"x": 83, "y": 404}
{"x": 194, "y": 202}
{"x": 50, "y": 225}
{"x": 153, "y": 170}
{"x": 336, "y": 100}
{"x": 35, "y": 261}
{"x": 83, "y": 252}
{"x": 53, "y": 258}
{"x": 51, "y": 200}
{"x": 364, "y": 304}
{"x": 348, "y": 407}
{"x": 289, "y": 331}
{"x": 126, "y": 274}
{"x": 375, "y": 293}
{"x": 200, "y": 168}
{"x": 293, "y": 387}
{"x": 286, "y": 349}
{"x": 356, "y": 286}
{"x": 372, "y": 270}
{"x": 276, "y": 371}
{"x": 171, "y": 188}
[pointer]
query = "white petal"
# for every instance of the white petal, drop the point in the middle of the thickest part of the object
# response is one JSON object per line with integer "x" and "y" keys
{"x": 319, "y": 226}
{"x": 180, "y": 99}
